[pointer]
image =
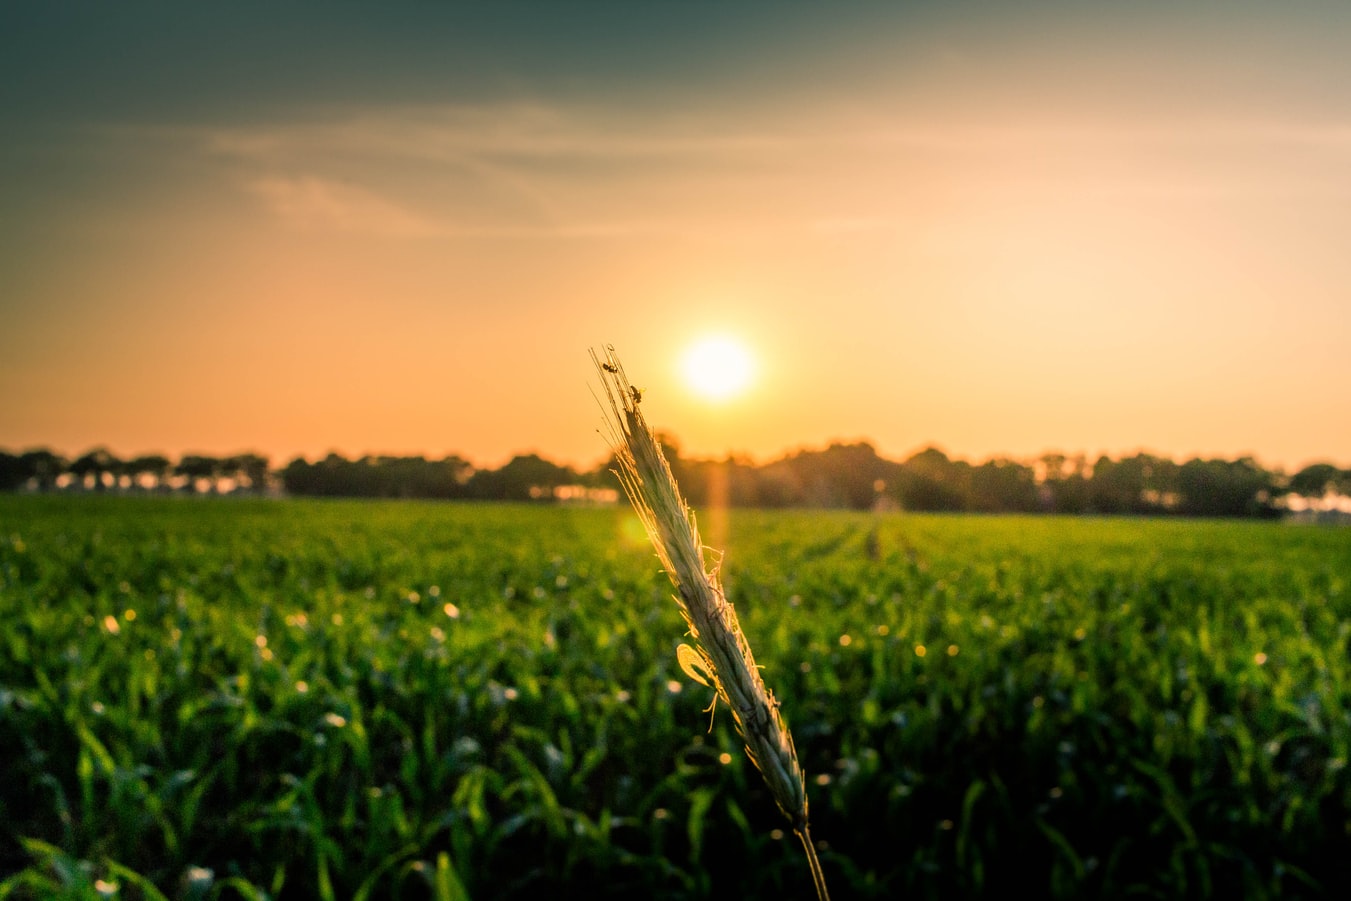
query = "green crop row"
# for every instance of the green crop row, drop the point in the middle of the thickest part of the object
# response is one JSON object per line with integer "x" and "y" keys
{"x": 262, "y": 699}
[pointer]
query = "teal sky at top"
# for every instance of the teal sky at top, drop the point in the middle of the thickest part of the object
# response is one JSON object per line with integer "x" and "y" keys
{"x": 84, "y": 62}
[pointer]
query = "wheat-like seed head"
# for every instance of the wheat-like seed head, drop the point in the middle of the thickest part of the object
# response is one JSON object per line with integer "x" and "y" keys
{"x": 721, "y": 649}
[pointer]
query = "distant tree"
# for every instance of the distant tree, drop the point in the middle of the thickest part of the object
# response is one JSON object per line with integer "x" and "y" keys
{"x": 931, "y": 481}
{"x": 329, "y": 477}
{"x": 249, "y": 471}
{"x": 1064, "y": 485}
{"x": 524, "y": 477}
{"x": 1003, "y": 486}
{"x": 779, "y": 484}
{"x": 44, "y": 468}
{"x": 297, "y": 477}
{"x": 1117, "y": 486}
{"x": 97, "y": 469}
{"x": 157, "y": 466}
{"x": 1225, "y": 488}
{"x": 389, "y": 476}
{"x": 13, "y": 473}
{"x": 197, "y": 468}
{"x": 841, "y": 475}
{"x": 1319, "y": 479}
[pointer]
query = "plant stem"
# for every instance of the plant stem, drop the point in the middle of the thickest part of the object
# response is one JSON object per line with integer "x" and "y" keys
{"x": 818, "y": 877}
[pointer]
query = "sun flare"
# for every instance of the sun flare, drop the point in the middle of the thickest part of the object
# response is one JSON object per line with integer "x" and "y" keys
{"x": 718, "y": 367}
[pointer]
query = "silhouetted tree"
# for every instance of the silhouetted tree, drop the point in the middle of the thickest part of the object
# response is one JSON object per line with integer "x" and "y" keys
{"x": 525, "y": 477}
{"x": 1065, "y": 482}
{"x": 249, "y": 471}
{"x": 1224, "y": 488}
{"x": 13, "y": 473}
{"x": 931, "y": 481}
{"x": 44, "y": 467}
{"x": 1319, "y": 479}
{"x": 842, "y": 475}
{"x": 197, "y": 468}
{"x": 157, "y": 466}
{"x": 1003, "y": 486}
{"x": 97, "y": 469}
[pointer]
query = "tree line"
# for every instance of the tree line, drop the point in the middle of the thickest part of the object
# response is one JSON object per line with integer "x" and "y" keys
{"x": 850, "y": 476}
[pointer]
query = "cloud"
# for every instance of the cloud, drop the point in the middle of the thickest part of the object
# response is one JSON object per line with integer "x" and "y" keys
{"x": 310, "y": 202}
{"x": 532, "y": 170}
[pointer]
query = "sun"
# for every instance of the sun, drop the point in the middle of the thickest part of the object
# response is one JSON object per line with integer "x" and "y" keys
{"x": 718, "y": 367}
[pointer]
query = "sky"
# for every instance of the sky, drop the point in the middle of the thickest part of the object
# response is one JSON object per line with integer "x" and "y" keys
{"x": 1001, "y": 229}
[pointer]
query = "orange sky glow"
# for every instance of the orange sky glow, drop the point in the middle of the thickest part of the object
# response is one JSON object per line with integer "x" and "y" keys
{"x": 1086, "y": 230}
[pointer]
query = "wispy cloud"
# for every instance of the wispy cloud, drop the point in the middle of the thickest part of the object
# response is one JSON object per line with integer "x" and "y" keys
{"x": 310, "y": 202}
{"x": 523, "y": 170}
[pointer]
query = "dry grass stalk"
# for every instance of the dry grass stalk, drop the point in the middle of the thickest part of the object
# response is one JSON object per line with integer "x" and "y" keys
{"x": 720, "y": 650}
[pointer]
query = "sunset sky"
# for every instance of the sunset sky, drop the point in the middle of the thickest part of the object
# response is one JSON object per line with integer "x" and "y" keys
{"x": 1077, "y": 227}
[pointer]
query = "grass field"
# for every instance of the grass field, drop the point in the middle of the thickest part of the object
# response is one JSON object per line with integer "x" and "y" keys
{"x": 220, "y": 699}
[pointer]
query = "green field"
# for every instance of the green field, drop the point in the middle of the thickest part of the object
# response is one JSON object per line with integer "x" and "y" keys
{"x": 222, "y": 699}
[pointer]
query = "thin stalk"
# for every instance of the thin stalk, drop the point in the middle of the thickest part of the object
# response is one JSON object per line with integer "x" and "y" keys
{"x": 721, "y": 656}
{"x": 804, "y": 835}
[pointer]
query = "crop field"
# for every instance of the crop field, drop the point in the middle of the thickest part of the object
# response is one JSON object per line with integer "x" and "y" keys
{"x": 283, "y": 699}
